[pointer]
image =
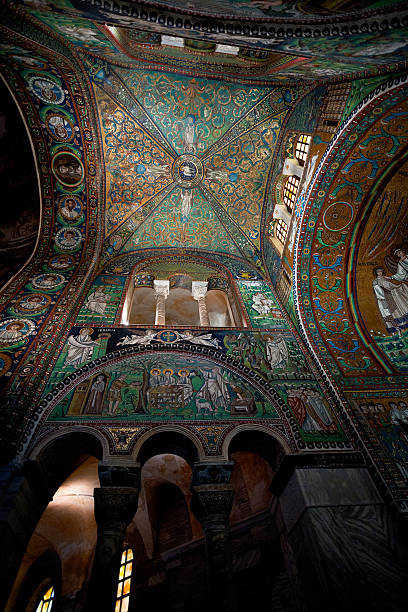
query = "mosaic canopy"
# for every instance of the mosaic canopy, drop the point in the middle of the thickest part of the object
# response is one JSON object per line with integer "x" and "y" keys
{"x": 187, "y": 159}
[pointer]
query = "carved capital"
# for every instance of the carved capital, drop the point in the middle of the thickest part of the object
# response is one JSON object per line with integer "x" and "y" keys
{"x": 115, "y": 507}
{"x": 161, "y": 288}
{"x": 119, "y": 475}
{"x": 215, "y": 472}
{"x": 212, "y": 505}
{"x": 199, "y": 289}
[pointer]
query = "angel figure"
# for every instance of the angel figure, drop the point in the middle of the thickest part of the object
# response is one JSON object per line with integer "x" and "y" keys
{"x": 204, "y": 339}
{"x": 139, "y": 338}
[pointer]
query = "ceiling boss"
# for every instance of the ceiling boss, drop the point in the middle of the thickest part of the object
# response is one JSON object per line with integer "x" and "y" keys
{"x": 187, "y": 170}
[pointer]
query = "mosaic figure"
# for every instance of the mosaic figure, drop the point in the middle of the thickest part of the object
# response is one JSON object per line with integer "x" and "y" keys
{"x": 95, "y": 398}
{"x": 204, "y": 339}
{"x": 262, "y": 304}
{"x": 46, "y": 89}
{"x": 80, "y": 33}
{"x": 60, "y": 127}
{"x": 68, "y": 239}
{"x": 98, "y": 300}
{"x": 68, "y": 169}
{"x": 189, "y": 136}
{"x": 48, "y": 281}
{"x": 80, "y": 348}
{"x": 32, "y": 303}
{"x": 276, "y": 352}
{"x": 14, "y": 330}
{"x": 139, "y": 339}
{"x": 61, "y": 262}
{"x": 115, "y": 394}
{"x": 392, "y": 298}
{"x": 71, "y": 209}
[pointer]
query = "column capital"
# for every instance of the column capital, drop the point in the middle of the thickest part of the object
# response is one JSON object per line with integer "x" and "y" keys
{"x": 211, "y": 472}
{"x": 212, "y": 492}
{"x": 119, "y": 474}
{"x": 161, "y": 287}
{"x": 199, "y": 289}
{"x": 115, "y": 507}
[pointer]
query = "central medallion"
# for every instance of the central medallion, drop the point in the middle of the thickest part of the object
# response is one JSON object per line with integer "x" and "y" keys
{"x": 187, "y": 170}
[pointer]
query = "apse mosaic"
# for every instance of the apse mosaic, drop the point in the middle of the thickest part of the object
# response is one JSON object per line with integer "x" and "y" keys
{"x": 381, "y": 270}
{"x": 347, "y": 184}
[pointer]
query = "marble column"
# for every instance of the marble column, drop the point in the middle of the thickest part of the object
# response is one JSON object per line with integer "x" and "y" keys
{"x": 161, "y": 292}
{"x": 115, "y": 506}
{"x": 199, "y": 291}
{"x": 211, "y": 503}
{"x": 340, "y": 537}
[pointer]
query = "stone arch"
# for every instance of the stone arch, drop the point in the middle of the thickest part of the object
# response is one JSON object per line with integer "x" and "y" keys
{"x": 265, "y": 441}
{"x": 40, "y": 446}
{"x": 62, "y": 453}
{"x": 171, "y": 439}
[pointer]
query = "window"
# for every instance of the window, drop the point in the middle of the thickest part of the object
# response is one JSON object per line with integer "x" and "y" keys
{"x": 333, "y": 107}
{"x": 290, "y": 192}
{"x": 125, "y": 575}
{"x": 281, "y": 230}
{"x": 46, "y": 601}
{"x": 302, "y": 148}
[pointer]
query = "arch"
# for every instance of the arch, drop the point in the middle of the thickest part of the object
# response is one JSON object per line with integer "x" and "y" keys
{"x": 144, "y": 274}
{"x": 60, "y": 453}
{"x": 168, "y": 439}
{"x": 333, "y": 187}
{"x": 257, "y": 439}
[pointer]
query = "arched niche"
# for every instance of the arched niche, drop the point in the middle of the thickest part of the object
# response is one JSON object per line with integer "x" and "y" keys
{"x": 253, "y": 440}
{"x": 169, "y": 515}
{"x": 181, "y": 307}
{"x": 251, "y": 479}
{"x": 143, "y": 306}
{"x": 60, "y": 455}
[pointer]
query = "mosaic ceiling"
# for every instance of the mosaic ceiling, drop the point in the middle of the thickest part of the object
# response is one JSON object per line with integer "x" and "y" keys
{"x": 149, "y": 150}
{"x": 187, "y": 160}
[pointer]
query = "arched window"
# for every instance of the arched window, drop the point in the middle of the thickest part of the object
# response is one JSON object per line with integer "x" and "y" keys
{"x": 281, "y": 230}
{"x": 290, "y": 192}
{"x": 125, "y": 576}
{"x": 46, "y": 601}
{"x": 302, "y": 148}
